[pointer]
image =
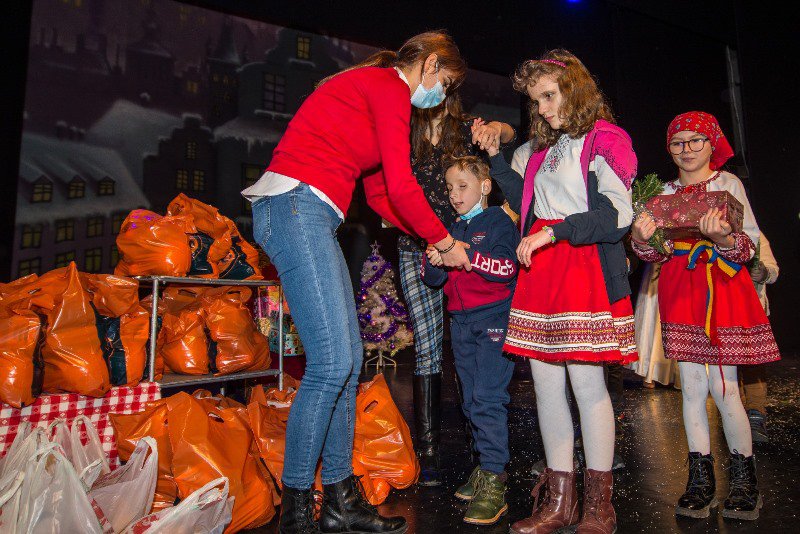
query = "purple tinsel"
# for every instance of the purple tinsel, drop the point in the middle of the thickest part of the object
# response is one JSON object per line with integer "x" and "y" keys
{"x": 394, "y": 307}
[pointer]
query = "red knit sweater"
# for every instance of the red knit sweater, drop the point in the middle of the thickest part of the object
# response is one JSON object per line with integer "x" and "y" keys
{"x": 357, "y": 125}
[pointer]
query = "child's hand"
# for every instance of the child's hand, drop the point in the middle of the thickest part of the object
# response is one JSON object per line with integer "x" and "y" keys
{"x": 759, "y": 273}
{"x": 494, "y": 148}
{"x": 717, "y": 230}
{"x": 433, "y": 256}
{"x": 643, "y": 228}
{"x": 485, "y": 135}
{"x": 530, "y": 244}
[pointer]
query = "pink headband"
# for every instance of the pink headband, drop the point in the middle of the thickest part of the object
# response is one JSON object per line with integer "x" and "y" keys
{"x": 554, "y": 62}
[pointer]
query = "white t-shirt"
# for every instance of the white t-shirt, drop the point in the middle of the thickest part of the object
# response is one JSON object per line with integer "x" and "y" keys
{"x": 271, "y": 184}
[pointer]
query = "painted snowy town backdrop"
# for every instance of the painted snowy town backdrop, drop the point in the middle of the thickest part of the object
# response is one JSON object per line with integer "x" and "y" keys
{"x": 130, "y": 102}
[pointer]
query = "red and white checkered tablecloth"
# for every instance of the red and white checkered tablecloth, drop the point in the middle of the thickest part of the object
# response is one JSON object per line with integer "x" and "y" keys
{"x": 48, "y": 408}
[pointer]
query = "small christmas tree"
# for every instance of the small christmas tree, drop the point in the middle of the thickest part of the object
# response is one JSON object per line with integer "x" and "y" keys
{"x": 382, "y": 316}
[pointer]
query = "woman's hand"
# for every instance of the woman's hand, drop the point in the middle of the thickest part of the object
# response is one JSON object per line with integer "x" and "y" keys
{"x": 486, "y": 135}
{"x": 713, "y": 227}
{"x": 456, "y": 257}
{"x": 531, "y": 243}
{"x": 643, "y": 229}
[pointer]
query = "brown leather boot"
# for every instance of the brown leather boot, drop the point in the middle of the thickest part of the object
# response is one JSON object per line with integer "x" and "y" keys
{"x": 557, "y": 508}
{"x": 598, "y": 512}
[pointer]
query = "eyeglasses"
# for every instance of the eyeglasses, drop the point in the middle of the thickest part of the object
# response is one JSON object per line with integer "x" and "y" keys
{"x": 695, "y": 145}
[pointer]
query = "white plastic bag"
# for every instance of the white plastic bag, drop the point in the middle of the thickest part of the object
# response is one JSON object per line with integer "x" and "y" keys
{"x": 52, "y": 499}
{"x": 23, "y": 448}
{"x": 126, "y": 495}
{"x": 206, "y": 511}
{"x": 10, "y": 493}
{"x": 58, "y": 432}
{"x": 89, "y": 460}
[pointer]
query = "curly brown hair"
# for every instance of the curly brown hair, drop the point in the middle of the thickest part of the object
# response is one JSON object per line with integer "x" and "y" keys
{"x": 471, "y": 164}
{"x": 582, "y": 104}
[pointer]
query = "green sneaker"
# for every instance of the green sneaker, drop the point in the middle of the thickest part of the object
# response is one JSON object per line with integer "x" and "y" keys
{"x": 489, "y": 500}
{"x": 466, "y": 490}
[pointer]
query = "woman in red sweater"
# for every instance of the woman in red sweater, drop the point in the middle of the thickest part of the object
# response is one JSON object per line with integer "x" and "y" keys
{"x": 354, "y": 125}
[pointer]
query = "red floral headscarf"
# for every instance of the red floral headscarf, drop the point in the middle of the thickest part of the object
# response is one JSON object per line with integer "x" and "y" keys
{"x": 706, "y": 124}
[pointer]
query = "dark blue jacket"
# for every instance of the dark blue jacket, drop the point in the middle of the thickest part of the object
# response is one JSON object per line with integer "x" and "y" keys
{"x": 493, "y": 239}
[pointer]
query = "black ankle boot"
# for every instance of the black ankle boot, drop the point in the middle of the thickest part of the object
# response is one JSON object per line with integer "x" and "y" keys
{"x": 428, "y": 422}
{"x": 346, "y": 511}
{"x": 297, "y": 512}
{"x": 744, "y": 499}
{"x": 699, "y": 497}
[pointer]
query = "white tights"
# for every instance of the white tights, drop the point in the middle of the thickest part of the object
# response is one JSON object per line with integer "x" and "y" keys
{"x": 695, "y": 386}
{"x": 555, "y": 420}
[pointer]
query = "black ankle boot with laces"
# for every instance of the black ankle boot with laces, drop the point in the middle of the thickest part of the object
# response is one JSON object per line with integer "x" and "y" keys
{"x": 699, "y": 497}
{"x": 345, "y": 510}
{"x": 744, "y": 499}
{"x": 297, "y": 512}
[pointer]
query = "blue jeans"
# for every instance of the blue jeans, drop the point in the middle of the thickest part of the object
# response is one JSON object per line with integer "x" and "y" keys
{"x": 297, "y": 230}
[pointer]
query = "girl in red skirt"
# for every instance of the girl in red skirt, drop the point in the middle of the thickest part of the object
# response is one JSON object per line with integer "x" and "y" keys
{"x": 710, "y": 315}
{"x": 571, "y": 310}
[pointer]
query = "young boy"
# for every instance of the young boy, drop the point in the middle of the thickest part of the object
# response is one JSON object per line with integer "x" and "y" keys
{"x": 479, "y": 301}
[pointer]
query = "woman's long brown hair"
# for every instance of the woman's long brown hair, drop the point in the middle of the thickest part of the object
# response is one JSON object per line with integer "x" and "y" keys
{"x": 416, "y": 49}
{"x": 582, "y": 102}
{"x": 451, "y": 128}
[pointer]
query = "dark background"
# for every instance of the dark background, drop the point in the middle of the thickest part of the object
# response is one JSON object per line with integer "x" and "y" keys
{"x": 653, "y": 59}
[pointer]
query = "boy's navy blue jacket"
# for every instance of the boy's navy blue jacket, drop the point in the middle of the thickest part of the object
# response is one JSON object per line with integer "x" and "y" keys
{"x": 493, "y": 239}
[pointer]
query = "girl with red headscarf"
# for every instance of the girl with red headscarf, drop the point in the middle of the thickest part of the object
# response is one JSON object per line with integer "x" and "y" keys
{"x": 710, "y": 314}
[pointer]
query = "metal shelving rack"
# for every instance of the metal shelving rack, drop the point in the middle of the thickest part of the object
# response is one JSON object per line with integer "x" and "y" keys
{"x": 171, "y": 380}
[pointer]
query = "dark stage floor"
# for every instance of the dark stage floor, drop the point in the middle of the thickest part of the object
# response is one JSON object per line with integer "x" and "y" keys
{"x": 654, "y": 449}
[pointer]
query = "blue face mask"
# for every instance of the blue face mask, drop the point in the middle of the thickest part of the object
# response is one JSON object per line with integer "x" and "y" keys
{"x": 476, "y": 210}
{"x": 428, "y": 98}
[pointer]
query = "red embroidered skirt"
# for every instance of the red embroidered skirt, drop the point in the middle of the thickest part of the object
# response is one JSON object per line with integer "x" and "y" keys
{"x": 741, "y": 328}
{"x": 560, "y": 310}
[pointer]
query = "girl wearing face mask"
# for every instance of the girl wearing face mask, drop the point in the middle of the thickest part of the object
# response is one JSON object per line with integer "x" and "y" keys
{"x": 726, "y": 330}
{"x": 438, "y": 133}
{"x": 571, "y": 310}
{"x": 355, "y": 125}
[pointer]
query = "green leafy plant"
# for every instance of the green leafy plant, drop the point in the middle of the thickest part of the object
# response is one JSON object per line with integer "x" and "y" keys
{"x": 642, "y": 191}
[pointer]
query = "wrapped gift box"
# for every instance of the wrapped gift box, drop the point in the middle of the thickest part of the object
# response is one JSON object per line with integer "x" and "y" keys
{"x": 48, "y": 408}
{"x": 679, "y": 214}
{"x": 291, "y": 343}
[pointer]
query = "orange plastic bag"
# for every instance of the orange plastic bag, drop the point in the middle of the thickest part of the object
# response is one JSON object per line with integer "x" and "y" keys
{"x": 234, "y": 257}
{"x": 182, "y": 345}
{"x": 123, "y": 325}
{"x": 268, "y": 412}
{"x": 209, "y": 442}
{"x": 375, "y": 490}
{"x": 241, "y": 261}
{"x": 207, "y": 220}
{"x": 152, "y": 421}
{"x": 73, "y": 359}
{"x": 217, "y": 401}
{"x": 21, "y": 364}
{"x": 150, "y": 244}
{"x": 21, "y": 339}
{"x": 382, "y": 442}
{"x": 240, "y": 346}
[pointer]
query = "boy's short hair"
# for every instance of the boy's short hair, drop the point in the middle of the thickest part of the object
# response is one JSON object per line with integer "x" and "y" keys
{"x": 471, "y": 164}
